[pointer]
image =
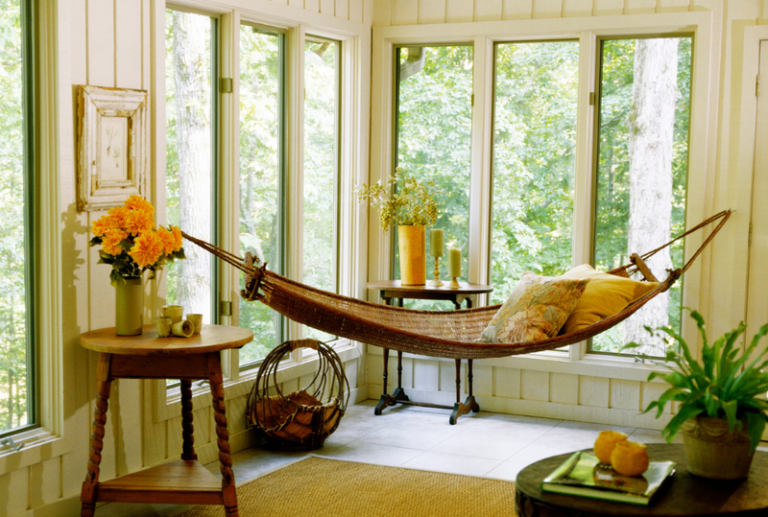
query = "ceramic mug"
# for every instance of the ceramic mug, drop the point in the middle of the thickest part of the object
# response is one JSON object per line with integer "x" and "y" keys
{"x": 163, "y": 324}
{"x": 174, "y": 312}
{"x": 197, "y": 320}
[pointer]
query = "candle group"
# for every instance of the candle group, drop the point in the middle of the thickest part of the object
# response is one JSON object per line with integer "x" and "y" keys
{"x": 436, "y": 242}
{"x": 454, "y": 262}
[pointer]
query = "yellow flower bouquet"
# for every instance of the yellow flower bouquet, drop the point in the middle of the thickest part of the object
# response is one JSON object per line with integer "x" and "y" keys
{"x": 131, "y": 244}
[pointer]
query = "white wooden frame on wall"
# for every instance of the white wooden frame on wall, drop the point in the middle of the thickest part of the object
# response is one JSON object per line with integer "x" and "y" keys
{"x": 111, "y": 145}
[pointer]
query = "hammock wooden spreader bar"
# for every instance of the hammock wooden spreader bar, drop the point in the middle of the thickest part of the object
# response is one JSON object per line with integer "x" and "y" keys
{"x": 449, "y": 334}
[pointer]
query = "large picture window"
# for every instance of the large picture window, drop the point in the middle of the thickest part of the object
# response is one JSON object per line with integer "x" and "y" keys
{"x": 17, "y": 386}
{"x": 191, "y": 154}
{"x": 642, "y": 171}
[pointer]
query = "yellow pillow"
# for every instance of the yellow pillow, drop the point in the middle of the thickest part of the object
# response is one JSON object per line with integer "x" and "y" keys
{"x": 604, "y": 296}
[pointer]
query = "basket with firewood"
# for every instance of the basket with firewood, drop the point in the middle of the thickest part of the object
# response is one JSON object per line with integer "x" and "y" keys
{"x": 303, "y": 419}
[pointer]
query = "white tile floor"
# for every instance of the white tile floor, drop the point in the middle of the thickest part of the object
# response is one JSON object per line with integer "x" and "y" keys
{"x": 483, "y": 444}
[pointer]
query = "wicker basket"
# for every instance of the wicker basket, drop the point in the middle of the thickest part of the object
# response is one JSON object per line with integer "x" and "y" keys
{"x": 299, "y": 421}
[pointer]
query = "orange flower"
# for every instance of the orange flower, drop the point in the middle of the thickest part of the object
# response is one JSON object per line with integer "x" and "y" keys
{"x": 169, "y": 240}
{"x": 111, "y": 241}
{"x": 177, "y": 236}
{"x": 135, "y": 202}
{"x": 117, "y": 216}
{"x": 138, "y": 221}
{"x": 101, "y": 225}
{"x": 147, "y": 249}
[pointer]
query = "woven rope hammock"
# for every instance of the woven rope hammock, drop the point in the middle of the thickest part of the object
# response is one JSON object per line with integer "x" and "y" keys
{"x": 450, "y": 334}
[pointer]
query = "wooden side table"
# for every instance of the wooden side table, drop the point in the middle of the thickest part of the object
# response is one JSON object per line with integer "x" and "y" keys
{"x": 390, "y": 290}
{"x": 684, "y": 495}
{"x": 147, "y": 356}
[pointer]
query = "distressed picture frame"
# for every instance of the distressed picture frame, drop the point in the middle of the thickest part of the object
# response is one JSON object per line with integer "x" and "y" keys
{"x": 112, "y": 146}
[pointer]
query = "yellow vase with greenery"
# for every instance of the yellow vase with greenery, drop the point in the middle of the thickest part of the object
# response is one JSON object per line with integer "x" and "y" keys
{"x": 409, "y": 204}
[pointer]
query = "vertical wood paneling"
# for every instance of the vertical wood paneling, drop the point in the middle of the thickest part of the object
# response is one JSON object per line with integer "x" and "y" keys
{"x": 482, "y": 380}
{"x": 312, "y": 5}
{"x": 45, "y": 482}
{"x": 431, "y": 11}
{"x": 608, "y": 7}
{"x": 488, "y": 10}
{"x": 236, "y": 411}
{"x": 405, "y": 12}
{"x": 130, "y": 443}
{"x": 564, "y": 388}
{"x": 357, "y": 10}
{"x": 448, "y": 377}
{"x": 128, "y": 44}
{"x": 625, "y": 394}
{"x": 341, "y": 9}
{"x": 153, "y": 433}
{"x": 328, "y": 7}
{"x": 640, "y": 6}
{"x": 101, "y": 60}
{"x": 534, "y": 385}
{"x": 593, "y": 391}
{"x": 651, "y": 391}
{"x": 457, "y": 11}
{"x": 518, "y": 9}
{"x": 351, "y": 369}
{"x": 575, "y": 8}
{"x": 14, "y": 491}
{"x": 506, "y": 382}
{"x": 548, "y": 8}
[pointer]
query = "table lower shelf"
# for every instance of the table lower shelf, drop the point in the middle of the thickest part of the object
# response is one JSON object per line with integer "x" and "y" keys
{"x": 177, "y": 482}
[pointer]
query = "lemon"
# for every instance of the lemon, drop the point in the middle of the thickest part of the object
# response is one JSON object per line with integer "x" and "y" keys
{"x": 605, "y": 443}
{"x": 629, "y": 458}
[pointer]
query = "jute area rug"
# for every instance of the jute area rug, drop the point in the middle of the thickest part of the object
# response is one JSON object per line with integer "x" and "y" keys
{"x": 319, "y": 487}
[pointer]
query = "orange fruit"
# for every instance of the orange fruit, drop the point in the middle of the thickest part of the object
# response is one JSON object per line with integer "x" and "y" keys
{"x": 605, "y": 443}
{"x": 629, "y": 458}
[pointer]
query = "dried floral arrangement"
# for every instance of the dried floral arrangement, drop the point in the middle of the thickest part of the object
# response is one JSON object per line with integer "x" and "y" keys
{"x": 403, "y": 200}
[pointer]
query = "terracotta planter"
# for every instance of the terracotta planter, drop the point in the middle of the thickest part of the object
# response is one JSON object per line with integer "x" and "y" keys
{"x": 712, "y": 451}
{"x": 413, "y": 255}
{"x": 129, "y": 305}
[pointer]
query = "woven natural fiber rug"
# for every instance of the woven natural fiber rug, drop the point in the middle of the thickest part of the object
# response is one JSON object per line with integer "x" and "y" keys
{"x": 319, "y": 487}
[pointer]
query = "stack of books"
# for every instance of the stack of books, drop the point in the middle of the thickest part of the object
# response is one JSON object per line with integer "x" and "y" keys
{"x": 583, "y": 475}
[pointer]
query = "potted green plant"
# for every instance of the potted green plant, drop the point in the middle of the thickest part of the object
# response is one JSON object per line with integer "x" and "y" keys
{"x": 721, "y": 413}
{"x": 409, "y": 204}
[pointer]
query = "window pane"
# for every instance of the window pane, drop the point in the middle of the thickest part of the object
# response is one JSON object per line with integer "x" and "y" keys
{"x": 261, "y": 172}
{"x": 534, "y": 143}
{"x": 642, "y": 171}
{"x": 321, "y": 130}
{"x": 15, "y": 370}
{"x": 434, "y": 137}
{"x": 189, "y": 167}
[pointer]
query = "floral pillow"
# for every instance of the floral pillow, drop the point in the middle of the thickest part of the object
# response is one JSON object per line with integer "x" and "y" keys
{"x": 536, "y": 309}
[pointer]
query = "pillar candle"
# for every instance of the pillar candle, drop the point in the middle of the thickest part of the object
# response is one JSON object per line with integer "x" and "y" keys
{"x": 436, "y": 242}
{"x": 454, "y": 262}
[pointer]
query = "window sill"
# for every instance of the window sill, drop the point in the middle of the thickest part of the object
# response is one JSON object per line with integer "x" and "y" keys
{"x": 38, "y": 445}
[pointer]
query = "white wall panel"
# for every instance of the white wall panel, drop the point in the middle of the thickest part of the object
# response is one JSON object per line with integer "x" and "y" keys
{"x": 548, "y": 8}
{"x": 640, "y": 6}
{"x": 625, "y": 394}
{"x": 312, "y": 6}
{"x": 45, "y": 482}
{"x": 564, "y": 388}
{"x": 670, "y": 6}
{"x": 575, "y": 8}
{"x": 593, "y": 391}
{"x": 432, "y": 11}
{"x": 607, "y": 7}
{"x": 405, "y": 12}
{"x": 534, "y": 385}
{"x": 482, "y": 380}
{"x": 426, "y": 374}
{"x": 487, "y": 10}
{"x": 101, "y": 50}
{"x": 128, "y": 44}
{"x": 328, "y": 7}
{"x": 458, "y": 11}
{"x": 518, "y": 9}
{"x": 506, "y": 382}
{"x": 14, "y": 490}
{"x": 357, "y": 11}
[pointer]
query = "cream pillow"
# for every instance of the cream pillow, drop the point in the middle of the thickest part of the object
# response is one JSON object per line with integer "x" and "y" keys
{"x": 604, "y": 296}
{"x": 536, "y": 309}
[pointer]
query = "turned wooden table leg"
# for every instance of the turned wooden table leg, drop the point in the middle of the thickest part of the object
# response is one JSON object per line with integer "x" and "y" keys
{"x": 187, "y": 427}
{"x": 220, "y": 415}
{"x": 88, "y": 493}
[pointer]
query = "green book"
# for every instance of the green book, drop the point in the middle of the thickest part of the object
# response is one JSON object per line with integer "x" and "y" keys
{"x": 583, "y": 475}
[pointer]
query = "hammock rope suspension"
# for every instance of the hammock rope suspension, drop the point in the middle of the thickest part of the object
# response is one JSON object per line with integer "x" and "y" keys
{"x": 449, "y": 334}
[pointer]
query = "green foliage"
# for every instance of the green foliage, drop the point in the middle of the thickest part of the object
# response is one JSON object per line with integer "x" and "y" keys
{"x": 404, "y": 201}
{"x": 725, "y": 384}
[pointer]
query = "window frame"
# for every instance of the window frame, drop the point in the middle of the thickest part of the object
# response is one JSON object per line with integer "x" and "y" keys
{"x": 587, "y": 31}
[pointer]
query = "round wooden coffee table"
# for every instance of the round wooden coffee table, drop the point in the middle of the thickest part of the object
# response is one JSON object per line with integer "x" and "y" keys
{"x": 682, "y": 495}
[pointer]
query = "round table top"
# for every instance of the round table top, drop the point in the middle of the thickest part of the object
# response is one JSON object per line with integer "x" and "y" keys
{"x": 464, "y": 287}
{"x": 682, "y": 495}
{"x": 211, "y": 338}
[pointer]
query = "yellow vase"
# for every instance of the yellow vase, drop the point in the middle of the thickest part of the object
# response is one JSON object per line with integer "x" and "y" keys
{"x": 129, "y": 307}
{"x": 413, "y": 255}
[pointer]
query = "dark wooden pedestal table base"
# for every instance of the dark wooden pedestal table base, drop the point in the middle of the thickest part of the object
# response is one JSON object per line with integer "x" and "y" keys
{"x": 684, "y": 495}
{"x": 391, "y": 290}
{"x": 184, "y": 481}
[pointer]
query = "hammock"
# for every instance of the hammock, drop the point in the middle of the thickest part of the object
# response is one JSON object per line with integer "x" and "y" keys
{"x": 449, "y": 334}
